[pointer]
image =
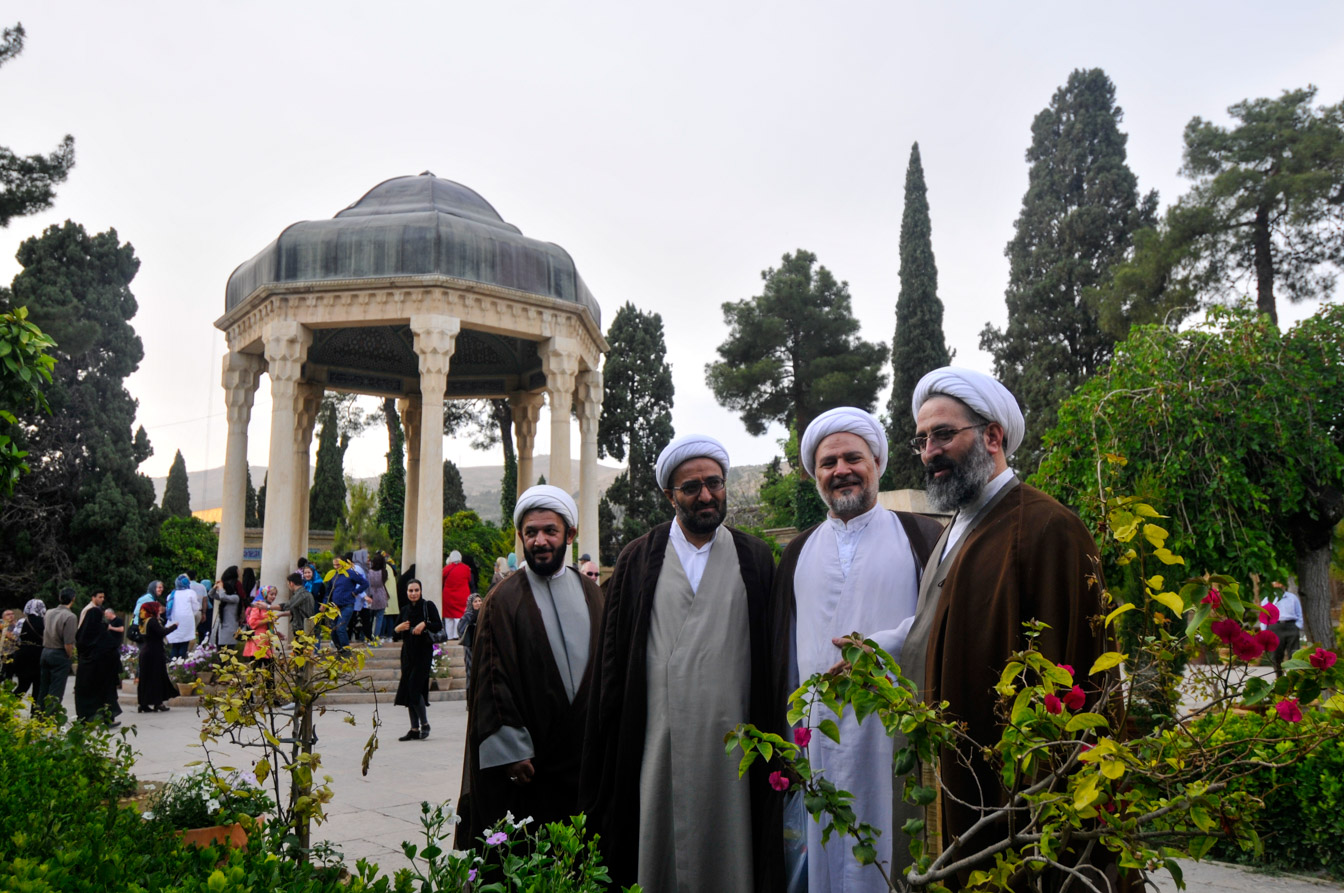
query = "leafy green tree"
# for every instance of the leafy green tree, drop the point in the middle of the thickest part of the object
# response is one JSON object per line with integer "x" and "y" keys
{"x": 488, "y": 423}
{"x": 777, "y": 492}
{"x": 454, "y": 497}
{"x": 360, "y": 528}
{"x": 794, "y": 350}
{"x": 636, "y": 425}
{"x": 24, "y": 366}
{"x": 183, "y": 545}
{"x": 250, "y": 511}
{"x": 918, "y": 345}
{"x": 176, "y": 495}
{"x": 28, "y": 183}
{"x": 392, "y": 485}
{"x": 1078, "y": 218}
{"x": 84, "y": 513}
{"x": 1233, "y": 425}
{"x": 483, "y": 541}
{"x": 1267, "y": 206}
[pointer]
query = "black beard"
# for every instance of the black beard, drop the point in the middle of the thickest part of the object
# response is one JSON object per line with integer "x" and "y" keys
{"x": 965, "y": 482}
{"x": 694, "y": 524}
{"x": 549, "y": 568}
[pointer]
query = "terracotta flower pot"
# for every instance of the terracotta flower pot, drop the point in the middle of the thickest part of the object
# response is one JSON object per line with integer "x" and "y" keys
{"x": 186, "y": 689}
{"x": 229, "y": 835}
{"x": 206, "y": 677}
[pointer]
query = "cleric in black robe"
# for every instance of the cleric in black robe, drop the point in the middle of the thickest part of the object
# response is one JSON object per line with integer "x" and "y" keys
{"x": 528, "y": 695}
{"x": 99, "y": 647}
{"x": 660, "y": 823}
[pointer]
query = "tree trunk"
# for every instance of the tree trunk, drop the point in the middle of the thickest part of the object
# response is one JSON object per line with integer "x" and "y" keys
{"x": 1264, "y": 266}
{"x": 1313, "y": 581}
{"x": 392, "y": 419}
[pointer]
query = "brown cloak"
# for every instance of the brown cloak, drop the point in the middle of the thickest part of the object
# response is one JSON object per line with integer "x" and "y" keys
{"x": 515, "y": 682}
{"x": 614, "y": 744}
{"x": 1027, "y": 557}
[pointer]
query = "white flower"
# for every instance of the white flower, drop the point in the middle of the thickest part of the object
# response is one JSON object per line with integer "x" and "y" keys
{"x": 147, "y": 815}
{"x": 523, "y": 823}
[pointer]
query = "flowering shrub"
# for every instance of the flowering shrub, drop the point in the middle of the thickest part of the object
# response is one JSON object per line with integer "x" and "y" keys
{"x": 1085, "y": 783}
{"x": 204, "y": 799}
{"x": 442, "y": 666}
{"x": 203, "y": 658}
{"x": 130, "y": 661}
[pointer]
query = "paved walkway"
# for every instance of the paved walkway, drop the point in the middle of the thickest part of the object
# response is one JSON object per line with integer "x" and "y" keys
{"x": 370, "y": 816}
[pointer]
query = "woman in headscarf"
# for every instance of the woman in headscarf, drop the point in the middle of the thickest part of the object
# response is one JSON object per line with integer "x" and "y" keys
{"x": 182, "y": 611}
{"x": 501, "y": 570}
{"x": 155, "y": 686}
{"x": 259, "y": 648}
{"x": 152, "y": 593}
{"x": 419, "y": 618}
{"x": 227, "y": 599}
{"x": 28, "y": 658}
{"x": 456, "y": 591}
{"x": 378, "y": 596}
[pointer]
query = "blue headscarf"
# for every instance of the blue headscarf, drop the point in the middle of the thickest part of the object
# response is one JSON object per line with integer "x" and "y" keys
{"x": 513, "y": 561}
{"x": 182, "y": 582}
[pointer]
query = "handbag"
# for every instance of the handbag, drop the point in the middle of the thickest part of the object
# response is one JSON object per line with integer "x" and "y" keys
{"x": 439, "y": 636}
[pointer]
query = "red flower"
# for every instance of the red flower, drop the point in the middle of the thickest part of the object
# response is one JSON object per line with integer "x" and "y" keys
{"x": 1075, "y": 699}
{"x": 1246, "y": 647}
{"x": 1226, "y": 629}
{"x": 1268, "y": 640}
{"x": 778, "y": 781}
{"x": 1289, "y": 711}
{"x": 1053, "y": 704}
{"x": 1214, "y": 598}
{"x": 1322, "y": 659}
{"x": 1269, "y": 614}
{"x": 802, "y": 736}
{"x": 1066, "y": 668}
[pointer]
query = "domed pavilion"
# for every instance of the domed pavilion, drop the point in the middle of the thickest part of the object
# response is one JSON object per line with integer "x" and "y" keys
{"x": 418, "y": 291}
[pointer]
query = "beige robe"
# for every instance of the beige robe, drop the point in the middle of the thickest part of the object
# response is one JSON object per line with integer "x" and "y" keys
{"x": 695, "y": 813}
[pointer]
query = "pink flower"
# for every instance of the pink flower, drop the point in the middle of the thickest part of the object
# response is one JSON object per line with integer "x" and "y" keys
{"x": 497, "y": 838}
{"x": 1075, "y": 699}
{"x": 1268, "y": 640}
{"x": 1246, "y": 647}
{"x": 1226, "y": 629}
{"x": 1214, "y": 598}
{"x": 1269, "y": 614}
{"x": 1066, "y": 668}
{"x": 1322, "y": 659}
{"x": 1053, "y": 704}
{"x": 1289, "y": 711}
{"x": 802, "y": 736}
{"x": 778, "y": 781}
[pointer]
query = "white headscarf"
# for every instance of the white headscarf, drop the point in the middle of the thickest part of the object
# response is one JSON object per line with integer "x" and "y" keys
{"x": 847, "y": 419}
{"x": 544, "y": 496}
{"x": 685, "y": 448}
{"x": 980, "y": 392}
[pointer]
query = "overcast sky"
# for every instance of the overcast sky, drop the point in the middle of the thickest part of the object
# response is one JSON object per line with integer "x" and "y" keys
{"x": 675, "y": 153}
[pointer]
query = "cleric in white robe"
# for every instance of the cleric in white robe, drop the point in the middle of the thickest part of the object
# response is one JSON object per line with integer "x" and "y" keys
{"x": 857, "y": 571}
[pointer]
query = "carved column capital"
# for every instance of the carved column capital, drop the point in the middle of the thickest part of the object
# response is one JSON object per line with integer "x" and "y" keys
{"x": 307, "y": 403}
{"x": 560, "y": 362}
{"x": 526, "y": 408}
{"x": 241, "y": 375}
{"x": 286, "y": 345}
{"x": 588, "y": 392}
{"x": 435, "y": 341}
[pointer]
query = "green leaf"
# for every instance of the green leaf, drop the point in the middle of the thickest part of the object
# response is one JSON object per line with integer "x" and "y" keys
{"x": 1110, "y": 618}
{"x": 1170, "y": 600}
{"x": 1256, "y": 690}
{"x": 828, "y": 728}
{"x": 1106, "y": 661}
{"x": 1081, "y": 721}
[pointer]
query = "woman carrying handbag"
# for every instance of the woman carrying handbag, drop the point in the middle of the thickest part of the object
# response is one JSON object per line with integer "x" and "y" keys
{"x": 419, "y": 628}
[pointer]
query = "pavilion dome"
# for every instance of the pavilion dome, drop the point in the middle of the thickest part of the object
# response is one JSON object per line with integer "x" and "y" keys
{"x": 413, "y": 226}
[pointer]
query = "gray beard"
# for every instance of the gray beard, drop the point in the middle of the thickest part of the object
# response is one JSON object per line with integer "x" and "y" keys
{"x": 964, "y": 484}
{"x": 849, "y": 507}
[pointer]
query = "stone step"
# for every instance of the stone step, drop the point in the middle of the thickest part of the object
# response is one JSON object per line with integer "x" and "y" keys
{"x": 383, "y": 698}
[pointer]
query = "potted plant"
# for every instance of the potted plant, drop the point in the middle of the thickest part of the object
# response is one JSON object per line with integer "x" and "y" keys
{"x": 205, "y": 808}
{"x": 440, "y": 668}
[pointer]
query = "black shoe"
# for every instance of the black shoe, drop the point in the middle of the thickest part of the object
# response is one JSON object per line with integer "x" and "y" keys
{"x": 162, "y": 708}
{"x": 143, "y": 710}
{"x": 424, "y": 732}
{"x": 412, "y": 735}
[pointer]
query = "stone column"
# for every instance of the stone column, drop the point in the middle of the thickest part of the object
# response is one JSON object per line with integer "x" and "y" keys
{"x": 560, "y": 362}
{"x": 286, "y": 345}
{"x": 242, "y": 373}
{"x": 590, "y": 413}
{"x": 526, "y": 407}
{"x": 410, "y": 426}
{"x": 306, "y": 406}
{"x": 435, "y": 340}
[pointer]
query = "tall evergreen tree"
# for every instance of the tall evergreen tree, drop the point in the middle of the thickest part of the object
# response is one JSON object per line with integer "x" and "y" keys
{"x": 454, "y": 497}
{"x": 392, "y": 485}
{"x": 636, "y": 424}
{"x": 28, "y": 184}
{"x": 488, "y": 423}
{"x": 250, "y": 505}
{"x": 918, "y": 345}
{"x": 261, "y": 499}
{"x": 794, "y": 350}
{"x": 176, "y": 495}
{"x": 326, "y": 500}
{"x": 84, "y": 514}
{"x": 1079, "y": 214}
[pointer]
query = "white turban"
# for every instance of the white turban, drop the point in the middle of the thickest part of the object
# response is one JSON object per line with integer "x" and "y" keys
{"x": 980, "y": 392}
{"x": 544, "y": 496}
{"x": 849, "y": 420}
{"x": 689, "y": 446}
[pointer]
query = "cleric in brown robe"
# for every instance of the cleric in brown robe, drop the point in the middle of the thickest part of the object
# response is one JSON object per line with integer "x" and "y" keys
{"x": 684, "y": 657}
{"x": 1011, "y": 554}
{"x": 530, "y": 678}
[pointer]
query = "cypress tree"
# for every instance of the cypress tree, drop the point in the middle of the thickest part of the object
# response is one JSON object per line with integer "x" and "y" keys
{"x": 261, "y": 499}
{"x": 392, "y": 485}
{"x": 176, "y": 496}
{"x": 326, "y": 500}
{"x": 253, "y": 518}
{"x": 454, "y": 497}
{"x": 1079, "y": 215}
{"x": 918, "y": 346}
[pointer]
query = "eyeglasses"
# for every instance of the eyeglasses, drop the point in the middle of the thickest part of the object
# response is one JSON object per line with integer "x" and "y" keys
{"x": 593, "y": 574}
{"x": 692, "y": 488}
{"x": 939, "y": 436}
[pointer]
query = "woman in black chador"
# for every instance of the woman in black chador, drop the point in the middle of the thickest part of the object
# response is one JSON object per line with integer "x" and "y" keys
{"x": 155, "y": 685}
{"x": 419, "y": 618}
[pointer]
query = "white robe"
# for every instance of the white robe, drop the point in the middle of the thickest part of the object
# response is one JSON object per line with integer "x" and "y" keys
{"x": 855, "y": 577}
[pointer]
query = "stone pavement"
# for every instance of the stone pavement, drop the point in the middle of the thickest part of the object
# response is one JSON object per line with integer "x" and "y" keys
{"x": 370, "y": 816}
